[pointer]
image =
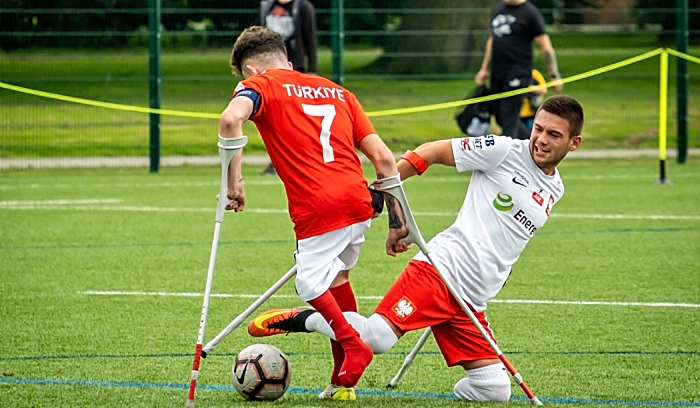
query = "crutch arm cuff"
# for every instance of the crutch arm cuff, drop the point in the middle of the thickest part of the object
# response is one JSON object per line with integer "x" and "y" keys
{"x": 416, "y": 161}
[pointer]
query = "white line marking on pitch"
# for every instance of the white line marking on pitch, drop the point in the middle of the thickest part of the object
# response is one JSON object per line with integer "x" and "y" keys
{"x": 527, "y": 301}
{"x": 80, "y": 205}
{"x": 31, "y": 203}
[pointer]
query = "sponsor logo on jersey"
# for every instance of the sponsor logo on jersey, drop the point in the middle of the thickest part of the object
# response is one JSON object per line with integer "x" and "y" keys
{"x": 238, "y": 88}
{"x": 481, "y": 141}
{"x": 538, "y": 198}
{"x": 465, "y": 144}
{"x": 503, "y": 202}
{"x": 520, "y": 179}
{"x": 522, "y": 219}
{"x": 404, "y": 308}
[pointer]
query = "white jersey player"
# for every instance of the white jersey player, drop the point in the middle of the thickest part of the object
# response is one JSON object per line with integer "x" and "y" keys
{"x": 513, "y": 188}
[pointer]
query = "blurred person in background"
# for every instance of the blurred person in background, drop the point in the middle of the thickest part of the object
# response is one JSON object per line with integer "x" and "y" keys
{"x": 295, "y": 21}
{"x": 508, "y": 62}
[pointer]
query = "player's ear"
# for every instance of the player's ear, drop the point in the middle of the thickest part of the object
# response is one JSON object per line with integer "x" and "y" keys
{"x": 251, "y": 70}
{"x": 289, "y": 63}
{"x": 575, "y": 142}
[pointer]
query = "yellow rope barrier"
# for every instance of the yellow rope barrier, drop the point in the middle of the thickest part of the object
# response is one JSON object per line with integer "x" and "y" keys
{"x": 389, "y": 112}
{"x": 108, "y": 105}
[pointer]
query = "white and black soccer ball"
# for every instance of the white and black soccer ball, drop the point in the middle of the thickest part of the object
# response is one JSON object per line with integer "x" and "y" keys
{"x": 261, "y": 372}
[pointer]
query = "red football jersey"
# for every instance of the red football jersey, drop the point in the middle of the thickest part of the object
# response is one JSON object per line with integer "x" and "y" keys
{"x": 311, "y": 127}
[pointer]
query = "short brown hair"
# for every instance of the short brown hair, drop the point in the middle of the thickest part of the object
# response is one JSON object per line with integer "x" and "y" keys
{"x": 567, "y": 108}
{"x": 254, "y": 42}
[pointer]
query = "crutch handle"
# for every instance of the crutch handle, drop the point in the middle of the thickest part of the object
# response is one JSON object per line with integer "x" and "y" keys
{"x": 228, "y": 148}
{"x": 393, "y": 186}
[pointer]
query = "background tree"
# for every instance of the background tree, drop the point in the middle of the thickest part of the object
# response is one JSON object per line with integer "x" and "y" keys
{"x": 422, "y": 42}
{"x": 664, "y": 12}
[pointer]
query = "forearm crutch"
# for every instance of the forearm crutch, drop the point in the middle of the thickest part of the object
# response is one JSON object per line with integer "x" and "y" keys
{"x": 392, "y": 185}
{"x": 409, "y": 359}
{"x": 228, "y": 148}
{"x": 238, "y": 320}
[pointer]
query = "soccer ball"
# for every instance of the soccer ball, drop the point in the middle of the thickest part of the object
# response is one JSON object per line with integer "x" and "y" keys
{"x": 261, "y": 372}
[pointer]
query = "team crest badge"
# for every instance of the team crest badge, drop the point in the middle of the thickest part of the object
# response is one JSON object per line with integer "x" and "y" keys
{"x": 404, "y": 308}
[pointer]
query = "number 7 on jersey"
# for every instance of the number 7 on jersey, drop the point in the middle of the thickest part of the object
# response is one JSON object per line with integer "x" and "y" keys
{"x": 327, "y": 112}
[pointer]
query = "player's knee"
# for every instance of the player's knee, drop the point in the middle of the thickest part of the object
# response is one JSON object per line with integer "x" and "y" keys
{"x": 490, "y": 383}
{"x": 377, "y": 334}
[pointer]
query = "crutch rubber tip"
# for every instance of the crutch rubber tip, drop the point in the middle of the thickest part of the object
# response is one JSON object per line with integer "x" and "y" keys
{"x": 204, "y": 354}
{"x": 536, "y": 402}
{"x": 190, "y": 403}
{"x": 390, "y": 385}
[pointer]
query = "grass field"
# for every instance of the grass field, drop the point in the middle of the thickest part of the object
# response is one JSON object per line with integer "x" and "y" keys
{"x": 103, "y": 271}
{"x": 621, "y": 105}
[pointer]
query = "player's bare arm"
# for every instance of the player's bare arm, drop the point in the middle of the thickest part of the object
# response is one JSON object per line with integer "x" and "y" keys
{"x": 231, "y": 126}
{"x": 550, "y": 59}
{"x": 425, "y": 155}
{"x": 485, "y": 69}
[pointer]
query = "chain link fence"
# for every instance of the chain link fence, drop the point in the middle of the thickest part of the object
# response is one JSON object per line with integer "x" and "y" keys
{"x": 393, "y": 58}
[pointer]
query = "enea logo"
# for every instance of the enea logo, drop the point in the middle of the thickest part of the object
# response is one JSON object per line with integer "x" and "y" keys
{"x": 503, "y": 202}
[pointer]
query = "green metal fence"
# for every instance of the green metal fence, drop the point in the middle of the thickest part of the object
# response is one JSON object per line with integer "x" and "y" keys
{"x": 113, "y": 67}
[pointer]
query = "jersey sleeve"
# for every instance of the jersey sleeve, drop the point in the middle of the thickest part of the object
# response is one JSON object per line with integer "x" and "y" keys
{"x": 243, "y": 91}
{"x": 362, "y": 126}
{"x": 537, "y": 25}
{"x": 483, "y": 153}
{"x": 253, "y": 90}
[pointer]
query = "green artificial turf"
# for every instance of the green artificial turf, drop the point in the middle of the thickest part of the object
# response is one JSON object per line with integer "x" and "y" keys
{"x": 607, "y": 311}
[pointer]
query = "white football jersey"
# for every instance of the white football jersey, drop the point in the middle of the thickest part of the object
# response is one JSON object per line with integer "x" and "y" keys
{"x": 509, "y": 198}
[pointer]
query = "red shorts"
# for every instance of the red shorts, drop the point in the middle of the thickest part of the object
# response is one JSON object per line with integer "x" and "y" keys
{"x": 419, "y": 299}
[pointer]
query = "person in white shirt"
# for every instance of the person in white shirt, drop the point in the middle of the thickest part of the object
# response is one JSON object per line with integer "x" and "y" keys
{"x": 514, "y": 186}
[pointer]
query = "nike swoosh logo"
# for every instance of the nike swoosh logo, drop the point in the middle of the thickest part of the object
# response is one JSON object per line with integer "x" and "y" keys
{"x": 519, "y": 182}
{"x": 242, "y": 377}
{"x": 260, "y": 319}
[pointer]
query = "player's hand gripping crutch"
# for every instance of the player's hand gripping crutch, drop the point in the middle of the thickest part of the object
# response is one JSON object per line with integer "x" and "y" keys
{"x": 392, "y": 185}
{"x": 228, "y": 148}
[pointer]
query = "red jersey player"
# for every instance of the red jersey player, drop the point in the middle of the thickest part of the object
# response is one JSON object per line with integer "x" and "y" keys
{"x": 311, "y": 128}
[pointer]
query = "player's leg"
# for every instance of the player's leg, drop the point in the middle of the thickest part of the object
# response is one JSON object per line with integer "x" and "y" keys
{"x": 462, "y": 344}
{"x": 345, "y": 297}
{"x": 508, "y": 117}
{"x": 416, "y": 300}
{"x": 488, "y": 383}
{"x": 319, "y": 261}
{"x": 411, "y": 303}
{"x": 507, "y": 110}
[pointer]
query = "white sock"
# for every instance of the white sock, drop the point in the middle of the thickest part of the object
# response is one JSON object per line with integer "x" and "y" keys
{"x": 490, "y": 383}
{"x": 316, "y": 323}
{"x": 375, "y": 331}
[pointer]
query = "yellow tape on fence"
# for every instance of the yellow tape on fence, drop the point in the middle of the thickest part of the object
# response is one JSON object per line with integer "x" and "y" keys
{"x": 400, "y": 111}
{"x": 108, "y": 105}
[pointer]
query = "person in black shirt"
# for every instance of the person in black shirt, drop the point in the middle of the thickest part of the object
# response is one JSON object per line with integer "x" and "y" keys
{"x": 515, "y": 24}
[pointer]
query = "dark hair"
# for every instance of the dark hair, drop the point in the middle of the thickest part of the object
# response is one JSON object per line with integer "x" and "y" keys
{"x": 567, "y": 108}
{"x": 256, "y": 41}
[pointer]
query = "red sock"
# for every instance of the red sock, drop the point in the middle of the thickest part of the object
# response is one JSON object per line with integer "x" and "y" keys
{"x": 345, "y": 297}
{"x": 357, "y": 354}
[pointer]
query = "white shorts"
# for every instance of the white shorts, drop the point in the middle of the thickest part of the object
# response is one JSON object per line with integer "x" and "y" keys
{"x": 320, "y": 258}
